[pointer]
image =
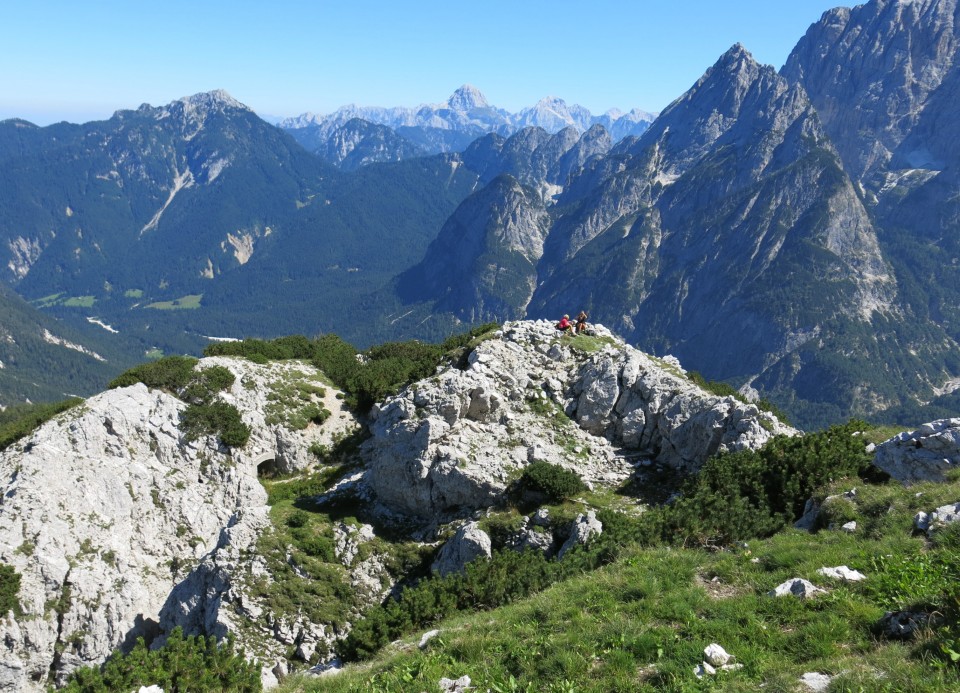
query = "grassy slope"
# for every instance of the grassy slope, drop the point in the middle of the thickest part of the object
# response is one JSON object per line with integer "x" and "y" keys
{"x": 642, "y": 623}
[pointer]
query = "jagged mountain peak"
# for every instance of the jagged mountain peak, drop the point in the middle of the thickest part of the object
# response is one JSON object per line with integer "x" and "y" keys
{"x": 871, "y": 71}
{"x": 466, "y": 98}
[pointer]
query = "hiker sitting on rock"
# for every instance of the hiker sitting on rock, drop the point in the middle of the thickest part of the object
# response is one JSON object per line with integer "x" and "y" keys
{"x": 565, "y": 325}
{"x": 581, "y": 322}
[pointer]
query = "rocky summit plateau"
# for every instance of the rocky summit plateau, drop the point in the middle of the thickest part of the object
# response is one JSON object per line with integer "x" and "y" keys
{"x": 121, "y": 526}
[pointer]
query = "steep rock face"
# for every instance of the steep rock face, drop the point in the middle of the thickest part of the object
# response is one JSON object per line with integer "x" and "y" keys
{"x": 871, "y": 72}
{"x": 483, "y": 262}
{"x": 106, "y": 510}
{"x": 450, "y": 444}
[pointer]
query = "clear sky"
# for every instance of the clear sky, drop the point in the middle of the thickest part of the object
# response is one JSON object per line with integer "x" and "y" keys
{"x": 81, "y": 60}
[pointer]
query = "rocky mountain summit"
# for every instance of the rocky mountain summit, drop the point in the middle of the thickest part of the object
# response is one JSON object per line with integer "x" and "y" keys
{"x": 122, "y": 526}
{"x": 451, "y": 444}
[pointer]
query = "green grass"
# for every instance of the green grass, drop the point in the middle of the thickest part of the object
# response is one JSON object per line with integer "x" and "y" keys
{"x": 589, "y": 344}
{"x": 80, "y": 302}
{"x": 642, "y": 622}
{"x": 47, "y": 301}
{"x": 188, "y": 302}
{"x": 133, "y": 293}
{"x": 295, "y": 401}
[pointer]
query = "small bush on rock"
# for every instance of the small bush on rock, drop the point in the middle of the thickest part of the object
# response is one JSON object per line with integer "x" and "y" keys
{"x": 9, "y": 589}
{"x": 171, "y": 373}
{"x": 217, "y": 418}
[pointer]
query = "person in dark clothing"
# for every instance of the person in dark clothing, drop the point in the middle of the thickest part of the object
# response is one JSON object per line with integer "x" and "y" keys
{"x": 581, "y": 322}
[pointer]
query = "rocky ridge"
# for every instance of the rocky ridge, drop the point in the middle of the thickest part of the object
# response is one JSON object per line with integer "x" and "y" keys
{"x": 111, "y": 516}
{"x": 451, "y": 444}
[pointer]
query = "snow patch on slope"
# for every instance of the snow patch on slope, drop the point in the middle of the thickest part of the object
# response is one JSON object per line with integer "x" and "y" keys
{"x": 51, "y": 338}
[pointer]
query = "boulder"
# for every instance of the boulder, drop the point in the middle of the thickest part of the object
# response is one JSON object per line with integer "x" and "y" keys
{"x": 796, "y": 587}
{"x": 584, "y": 528}
{"x": 921, "y": 455}
{"x": 936, "y": 519}
{"x": 468, "y": 544}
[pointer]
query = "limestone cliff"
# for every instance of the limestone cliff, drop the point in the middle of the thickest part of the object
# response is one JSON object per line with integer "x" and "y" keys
{"x": 106, "y": 510}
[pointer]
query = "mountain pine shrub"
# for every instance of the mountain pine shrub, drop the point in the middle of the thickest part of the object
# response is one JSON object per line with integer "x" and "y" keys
{"x": 551, "y": 480}
{"x": 171, "y": 373}
{"x": 216, "y": 418}
{"x": 748, "y": 494}
{"x": 195, "y": 664}
{"x": 9, "y": 589}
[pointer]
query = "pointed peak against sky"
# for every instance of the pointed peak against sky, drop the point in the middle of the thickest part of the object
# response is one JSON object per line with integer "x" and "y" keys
{"x": 736, "y": 56}
{"x": 466, "y": 98}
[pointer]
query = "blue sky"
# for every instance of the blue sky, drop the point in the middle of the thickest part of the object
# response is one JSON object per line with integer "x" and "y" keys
{"x": 80, "y": 61}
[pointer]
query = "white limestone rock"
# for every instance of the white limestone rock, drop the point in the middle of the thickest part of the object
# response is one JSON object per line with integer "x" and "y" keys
{"x": 715, "y": 655}
{"x": 449, "y": 445}
{"x": 816, "y": 682}
{"x": 468, "y": 544}
{"x": 585, "y": 527}
{"x": 937, "y": 519}
{"x": 796, "y": 587}
{"x": 921, "y": 455}
{"x": 108, "y": 511}
{"x": 842, "y": 573}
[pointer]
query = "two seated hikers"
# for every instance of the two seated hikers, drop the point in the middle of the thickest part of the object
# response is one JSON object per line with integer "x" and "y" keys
{"x": 568, "y": 327}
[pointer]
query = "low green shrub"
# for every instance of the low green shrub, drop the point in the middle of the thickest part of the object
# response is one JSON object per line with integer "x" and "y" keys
{"x": 171, "y": 373}
{"x": 216, "y": 418}
{"x": 9, "y": 589}
{"x": 193, "y": 663}
{"x": 748, "y": 494}
{"x": 204, "y": 384}
{"x": 260, "y": 351}
{"x": 551, "y": 480}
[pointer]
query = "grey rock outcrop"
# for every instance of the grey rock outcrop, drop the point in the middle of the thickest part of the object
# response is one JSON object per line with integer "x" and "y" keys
{"x": 921, "y": 455}
{"x": 110, "y": 513}
{"x": 937, "y": 519}
{"x": 451, "y": 444}
{"x": 584, "y": 528}
{"x": 468, "y": 544}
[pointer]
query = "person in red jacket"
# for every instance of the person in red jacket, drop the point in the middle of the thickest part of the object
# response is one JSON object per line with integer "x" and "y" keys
{"x": 565, "y": 325}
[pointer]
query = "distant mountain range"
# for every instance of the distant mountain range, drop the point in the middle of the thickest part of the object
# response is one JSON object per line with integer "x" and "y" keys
{"x": 348, "y": 137}
{"x": 792, "y": 233}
